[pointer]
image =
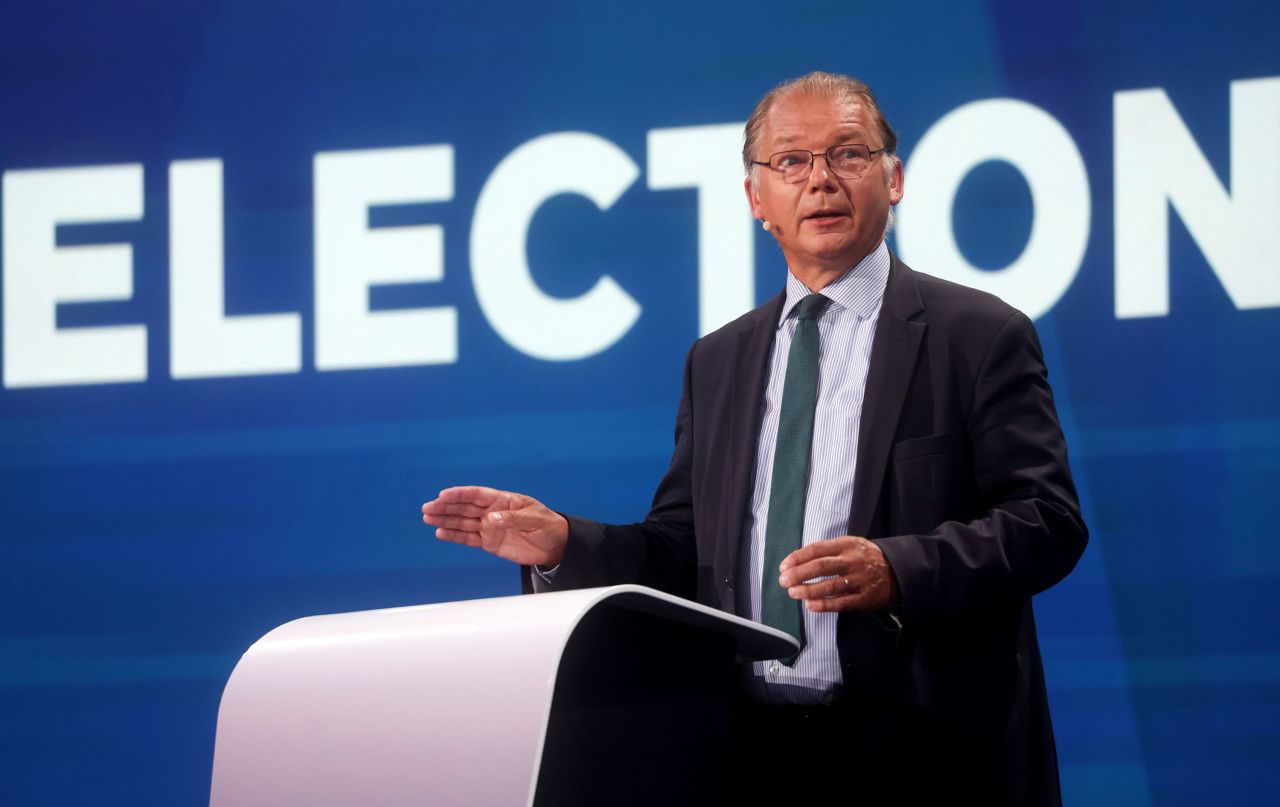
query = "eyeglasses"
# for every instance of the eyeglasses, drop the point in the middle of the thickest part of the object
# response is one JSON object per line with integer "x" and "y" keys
{"x": 849, "y": 161}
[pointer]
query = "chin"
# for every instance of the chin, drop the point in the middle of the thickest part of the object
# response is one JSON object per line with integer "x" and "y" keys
{"x": 829, "y": 247}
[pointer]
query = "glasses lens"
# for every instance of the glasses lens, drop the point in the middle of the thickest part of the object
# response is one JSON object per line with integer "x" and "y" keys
{"x": 793, "y": 165}
{"x": 849, "y": 160}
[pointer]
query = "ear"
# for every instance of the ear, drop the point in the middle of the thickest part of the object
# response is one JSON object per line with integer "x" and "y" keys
{"x": 753, "y": 197}
{"x": 897, "y": 182}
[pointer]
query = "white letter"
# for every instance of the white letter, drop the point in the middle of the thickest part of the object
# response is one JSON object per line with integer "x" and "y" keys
{"x": 206, "y": 342}
{"x": 529, "y": 320}
{"x": 1033, "y": 142}
{"x": 1158, "y": 162}
{"x": 351, "y": 257}
{"x": 707, "y": 158}
{"x": 39, "y": 275}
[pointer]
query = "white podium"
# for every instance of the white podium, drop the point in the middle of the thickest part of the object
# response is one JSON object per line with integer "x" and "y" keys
{"x": 614, "y": 696}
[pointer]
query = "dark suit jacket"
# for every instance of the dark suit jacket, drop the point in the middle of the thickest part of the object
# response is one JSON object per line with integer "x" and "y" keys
{"x": 962, "y": 480}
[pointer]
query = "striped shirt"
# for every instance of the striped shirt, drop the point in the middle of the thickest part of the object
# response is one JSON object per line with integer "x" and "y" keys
{"x": 845, "y": 329}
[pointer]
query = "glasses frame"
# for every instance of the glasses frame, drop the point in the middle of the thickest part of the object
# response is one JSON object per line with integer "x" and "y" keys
{"x": 814, "y": 155}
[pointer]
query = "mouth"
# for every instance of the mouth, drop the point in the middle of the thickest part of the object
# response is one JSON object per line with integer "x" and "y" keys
{"x": 825, "y": 216}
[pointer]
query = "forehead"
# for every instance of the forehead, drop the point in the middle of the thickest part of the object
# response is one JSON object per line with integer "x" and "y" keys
{"x": 807, "y": 120}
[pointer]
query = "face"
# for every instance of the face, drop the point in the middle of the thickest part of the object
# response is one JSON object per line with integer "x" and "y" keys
{"x": 825, "y": 224}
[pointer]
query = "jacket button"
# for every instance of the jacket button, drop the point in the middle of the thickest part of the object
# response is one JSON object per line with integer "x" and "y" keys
{"x": 728, "y": 583}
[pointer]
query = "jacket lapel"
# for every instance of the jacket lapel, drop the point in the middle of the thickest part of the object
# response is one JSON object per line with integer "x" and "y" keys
{"x": 893, "y": 359}
{"x": 747, "y": 385}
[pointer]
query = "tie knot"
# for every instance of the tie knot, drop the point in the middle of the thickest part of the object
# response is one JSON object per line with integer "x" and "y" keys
{"x": 810, "y": 307}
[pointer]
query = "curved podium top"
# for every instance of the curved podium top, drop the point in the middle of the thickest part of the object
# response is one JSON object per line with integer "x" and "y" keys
{"x": 432, "y": 704}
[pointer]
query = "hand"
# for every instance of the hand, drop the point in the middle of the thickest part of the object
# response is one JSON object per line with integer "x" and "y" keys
{"x": 510, "y": 525}
{"x": 859, "y": 577}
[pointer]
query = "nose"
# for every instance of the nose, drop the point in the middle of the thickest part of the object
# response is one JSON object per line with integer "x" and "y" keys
{"x": 820, "y": 176}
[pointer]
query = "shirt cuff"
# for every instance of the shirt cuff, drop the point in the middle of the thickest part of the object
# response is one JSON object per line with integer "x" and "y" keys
{"x": 543, "y": 579}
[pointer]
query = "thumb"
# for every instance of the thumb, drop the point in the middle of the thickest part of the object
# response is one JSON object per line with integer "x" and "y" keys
{"x": 524, "y": 519}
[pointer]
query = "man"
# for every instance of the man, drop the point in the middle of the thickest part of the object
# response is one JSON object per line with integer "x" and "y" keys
{"x": 874, "y": 444}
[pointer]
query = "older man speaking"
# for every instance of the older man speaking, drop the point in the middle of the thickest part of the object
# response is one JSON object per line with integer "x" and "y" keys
{"x": 870, "y": 461}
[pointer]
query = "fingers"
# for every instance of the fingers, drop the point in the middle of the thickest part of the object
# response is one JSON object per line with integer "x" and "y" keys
{"x": 464, "y": 537}
{"x": 831, "y": 587}
{"x": 439, "y": 509}
{"x": 453, "y": 522}
{"x": 528, "y": 519}
{"x": 456, "y": 515}
{"x": 815, "y": 550}
{"x": 819, "y": 567}
{"x": 481, "y": 496}
{"x": 857, "y": 578}
{"x": 469, "y": 502}
{"x": 831, "y": 575}
{"x": 464, "y": 493}
{"x": 509, "y": 525}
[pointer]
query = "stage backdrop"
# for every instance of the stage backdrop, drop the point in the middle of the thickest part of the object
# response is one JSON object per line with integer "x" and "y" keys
{"x": 275, "y": 273}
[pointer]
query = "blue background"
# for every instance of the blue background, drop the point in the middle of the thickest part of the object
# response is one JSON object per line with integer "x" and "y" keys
{"x": 149, "y": 532}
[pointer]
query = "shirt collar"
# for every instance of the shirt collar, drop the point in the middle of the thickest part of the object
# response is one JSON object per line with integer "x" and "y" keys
{"x": 859, "y": 290}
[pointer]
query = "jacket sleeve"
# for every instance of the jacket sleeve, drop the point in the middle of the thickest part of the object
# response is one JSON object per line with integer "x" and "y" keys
{"x": 1031, "y": 532}
{"x": 660, "y": 551}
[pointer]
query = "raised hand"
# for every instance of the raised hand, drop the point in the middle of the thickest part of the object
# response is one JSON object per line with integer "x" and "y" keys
{"x": 510, "y": 525}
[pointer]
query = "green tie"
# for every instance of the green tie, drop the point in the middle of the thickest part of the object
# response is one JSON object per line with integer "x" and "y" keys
{"x": 784, "y": 531}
